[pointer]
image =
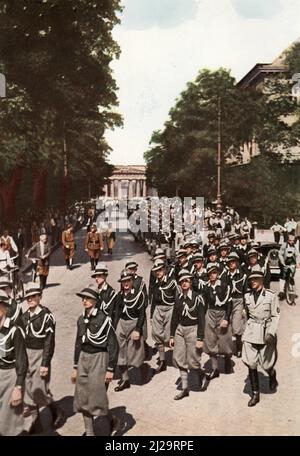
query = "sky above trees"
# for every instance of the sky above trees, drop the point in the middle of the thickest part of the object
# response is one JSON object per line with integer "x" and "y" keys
{"x": 164, "y": 44}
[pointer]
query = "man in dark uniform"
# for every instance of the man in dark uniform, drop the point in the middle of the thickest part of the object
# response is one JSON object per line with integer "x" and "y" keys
{"x": 129, "y": 321}
{"x": 224, "y": 250}
{"x": 260, "y": 336}
{"x": 210, "y": 243}
{"x": 14, "y": 311}
{"x": 163, "y": 298}
{"x": 238, "y": 283}
{"x": 256, "y": 262}
{"x": 187, "y": 331}
{"x": 243, "y": 249}
{"x": 200, "y": 277}
{"x": 107, "y": 295}
{"x": 140, "y": 284}
{"x": 95, "y": 360}
{"x": 218, "y": 335}
{"x": 182, "y": 262}
{"x": 13, "y": 368}
{"x": 39, "y": 324}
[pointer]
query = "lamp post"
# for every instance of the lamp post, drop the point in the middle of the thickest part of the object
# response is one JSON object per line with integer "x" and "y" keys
{"x": 219, "y": 197}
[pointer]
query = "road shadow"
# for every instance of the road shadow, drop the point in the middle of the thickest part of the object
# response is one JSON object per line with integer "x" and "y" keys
{"x": 263, "y": 385}
{"x": 51, "y": 285}
{"x": 127, "y": 421}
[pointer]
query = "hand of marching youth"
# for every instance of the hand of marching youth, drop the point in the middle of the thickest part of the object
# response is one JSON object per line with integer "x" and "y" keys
{"x": 224, "y": 324}
{"x": 135, "y": 335}
{"x": 74, "y": 376}
{"x": 199, "y": 344}
{"x": 16, "y": 397}
{"x": 171, "y": 342}
{"x": 44, "y": 371}
{"x": 109, "y": 376}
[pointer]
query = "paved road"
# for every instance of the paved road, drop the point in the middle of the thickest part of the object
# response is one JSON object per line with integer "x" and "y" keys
{"x": 149, "y": 409}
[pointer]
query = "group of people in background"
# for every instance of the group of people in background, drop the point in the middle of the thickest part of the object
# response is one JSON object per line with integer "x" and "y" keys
{"x": 212, "y": 298}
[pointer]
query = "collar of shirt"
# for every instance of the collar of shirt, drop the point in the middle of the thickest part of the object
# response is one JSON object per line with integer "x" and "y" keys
{"x": 188, "y": 295}
{"x": 218, "y": 283}
{"x": 37, "y": 310}
{"x": 93, "y": 313}
{"x": 130, "y": 292}
{"x": 163, "y": 280}
{"x": 103, "y": 288}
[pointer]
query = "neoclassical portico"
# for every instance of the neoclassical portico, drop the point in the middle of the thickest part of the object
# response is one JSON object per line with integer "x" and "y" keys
{"x": 127, "y": 181}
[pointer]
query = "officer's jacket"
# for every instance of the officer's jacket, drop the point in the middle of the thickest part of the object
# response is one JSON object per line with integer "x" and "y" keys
{"x": 200, "y": 278}
{"x": 40, "y": 333}
{"x": 263, "y": 316}
{"x": 67, "y": 239}
{"x": 163, "y": 293}
{"x": 93, "y": 241}
{"x": 107, "y": 299}
{"x": 238, "y": 283}
{"x": 217, "y": 297}
{"x": 13, "y": 350}
{"x": 95, "y": 334}
{"x": 130, "y": 306}
{"x": 189, "y": 311}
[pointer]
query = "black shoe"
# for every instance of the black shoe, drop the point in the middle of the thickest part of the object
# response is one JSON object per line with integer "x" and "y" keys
{"x": 239, "y": 354}
{"x": 281, "y": 296}
{"x": 273, "y": 383}
{"x": 204, "y": 382}
{"x": 36, "y": 427}
{"x": 254, "y": 400}
{"x": 161, "y": 367}
{"x": 181, "y": 395}
{"x": 214, "y": 374}
{"x": 123, "y": 385}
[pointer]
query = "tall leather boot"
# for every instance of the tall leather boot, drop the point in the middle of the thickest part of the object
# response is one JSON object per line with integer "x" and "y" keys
{"x": 238, "y": 346}
{"x": 273, "y": 383}
{"x": 253, "y": 376}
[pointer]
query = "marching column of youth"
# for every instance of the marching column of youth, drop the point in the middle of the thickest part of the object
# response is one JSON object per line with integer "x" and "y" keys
{"x": 128, "y": 321}
{"x": 218, "y": 334}
{"x": 238, "y": 282}
{"x": 260, "y": 336}
{"x": 14, "y": 310}
{"x": 13, "y": 368}
{"x": 163, "y": 298}
{"x": 68, "y": 245}
{"x": 39, "y": 326}
{"x": 95, "y": 360}
{"x": 187, "y": 331}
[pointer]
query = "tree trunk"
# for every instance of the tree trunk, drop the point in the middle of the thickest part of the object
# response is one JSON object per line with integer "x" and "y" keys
{"x": 39, "y": 196}
{"x": 8, "y": 193}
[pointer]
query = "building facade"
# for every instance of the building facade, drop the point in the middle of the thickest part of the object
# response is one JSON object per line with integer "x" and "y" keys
{"x": 128, "y": 181}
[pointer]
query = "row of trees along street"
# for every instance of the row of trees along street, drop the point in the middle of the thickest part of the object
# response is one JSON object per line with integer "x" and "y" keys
{"x": 182, "y": 157}
{"x": 61, "y": 97}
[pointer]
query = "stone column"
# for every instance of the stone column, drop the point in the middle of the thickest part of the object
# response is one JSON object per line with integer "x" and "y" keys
{"x": 138, "y": 188}
{"x": 130, "y": 189}
{"x": 133, "y": 183}
{"x": 105, "y": 189}
{"x": 144, "y": 189}
{"x": 111, "y": 189}
{"x": 119, "y": 189}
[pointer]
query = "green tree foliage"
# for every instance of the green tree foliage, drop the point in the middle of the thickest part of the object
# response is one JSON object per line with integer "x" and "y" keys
{"x": 182, "y": 157}
{"x": 56, "y": 56}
